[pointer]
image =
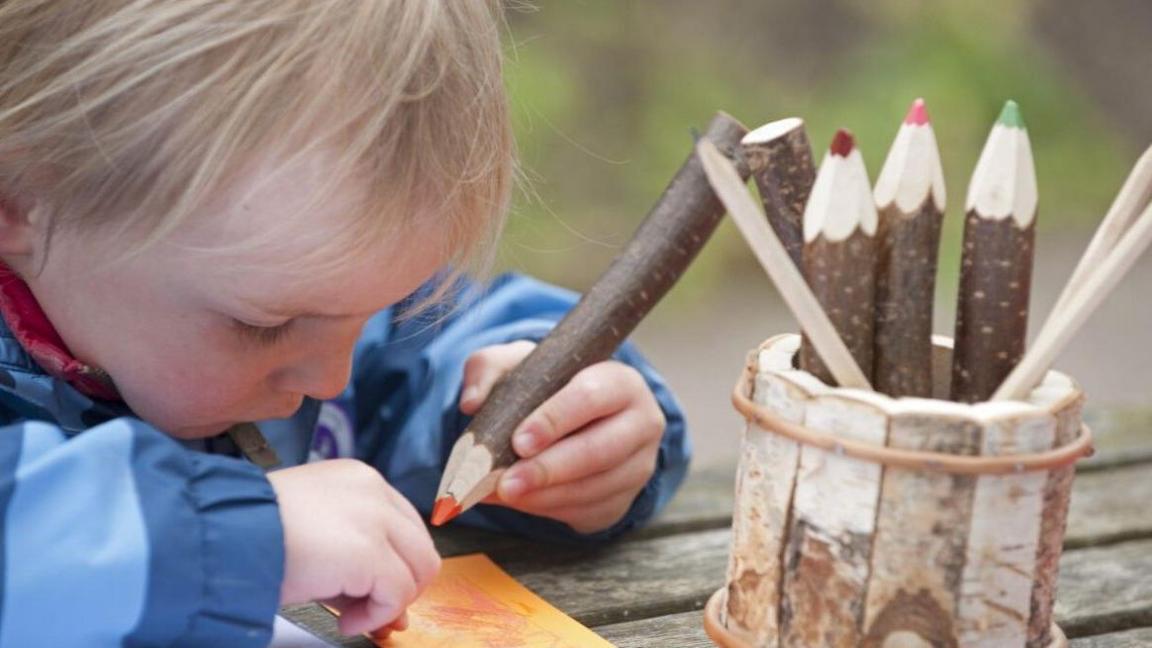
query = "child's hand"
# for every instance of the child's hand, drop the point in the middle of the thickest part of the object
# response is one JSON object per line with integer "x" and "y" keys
{"x": 352, "y": 540}
{"x": 586, "y": 451}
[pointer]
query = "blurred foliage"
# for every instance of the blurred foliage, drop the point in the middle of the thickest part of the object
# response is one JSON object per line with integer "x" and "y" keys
{"x": 605, "y": 94}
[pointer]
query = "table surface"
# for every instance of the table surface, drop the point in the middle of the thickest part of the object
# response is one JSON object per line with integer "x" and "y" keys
{"x": 649, "y": 588}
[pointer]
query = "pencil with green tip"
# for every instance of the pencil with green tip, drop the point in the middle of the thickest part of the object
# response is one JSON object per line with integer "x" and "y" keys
{"x": 996, "y": 264}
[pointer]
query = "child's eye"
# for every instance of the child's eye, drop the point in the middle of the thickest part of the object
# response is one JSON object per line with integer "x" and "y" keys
{"x": 266, "y": 335}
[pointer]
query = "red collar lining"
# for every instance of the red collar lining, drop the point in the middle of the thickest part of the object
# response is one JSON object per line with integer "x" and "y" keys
{"x": 28, "y": 322}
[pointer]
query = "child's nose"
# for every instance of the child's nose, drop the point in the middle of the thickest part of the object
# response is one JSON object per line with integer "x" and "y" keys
{"x": 320, "y": 379}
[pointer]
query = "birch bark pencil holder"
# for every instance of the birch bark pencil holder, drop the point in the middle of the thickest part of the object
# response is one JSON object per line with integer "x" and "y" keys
{"x": 863, "y": 520}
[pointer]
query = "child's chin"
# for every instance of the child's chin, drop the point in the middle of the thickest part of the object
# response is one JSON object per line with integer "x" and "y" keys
{"x": 199, "y": 431}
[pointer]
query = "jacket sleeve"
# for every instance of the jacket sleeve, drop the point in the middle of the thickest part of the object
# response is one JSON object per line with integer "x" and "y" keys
{"x": 407, "y": 380}
{"x": 121, "y": 536}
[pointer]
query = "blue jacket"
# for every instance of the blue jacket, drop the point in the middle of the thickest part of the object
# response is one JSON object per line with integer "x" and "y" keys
{"x": 114, "y": 534}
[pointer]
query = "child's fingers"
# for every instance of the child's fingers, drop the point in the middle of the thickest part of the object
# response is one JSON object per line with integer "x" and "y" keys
{"x": 626, "y": 478}
{"x": 597, "y": 517}
{"x": 391, "y": 589}
{"x": 413, "y": 545}
{"x": 364, "y": 615}
{"x": 485, "y": 367}
{"x": 344, "y": 603}
{"x": 595, "y": 392}
{"x": 406, "y": 508}
{"x": 597, "y": 448}
{"x": 399, "y": 625}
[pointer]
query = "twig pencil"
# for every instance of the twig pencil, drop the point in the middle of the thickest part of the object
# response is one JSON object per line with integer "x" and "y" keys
{"x": 659, "y": 252}
{"x": 996, "y": 265}
{"x": 1097, "y": 285}
{"x": 840, "y": 223}
{"x": 910, "y": 200}
{"x": 781, "y": 161}
{"x": 775, "y": 260}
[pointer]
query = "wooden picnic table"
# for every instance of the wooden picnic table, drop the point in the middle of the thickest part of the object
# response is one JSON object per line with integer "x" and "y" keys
{"x": 649, "y": 588}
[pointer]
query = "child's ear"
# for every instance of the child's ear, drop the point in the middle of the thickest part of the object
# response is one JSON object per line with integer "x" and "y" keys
{"x": 18, "y": 231}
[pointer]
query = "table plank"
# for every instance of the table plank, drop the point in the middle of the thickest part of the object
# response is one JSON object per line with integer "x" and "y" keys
{"x": 683, "y": 630}
{"x": 1110, "y": 506}
{"x": 1105, "y": 588}
{"x": 1140, "y": 638}
{"x": 630, "y": 580}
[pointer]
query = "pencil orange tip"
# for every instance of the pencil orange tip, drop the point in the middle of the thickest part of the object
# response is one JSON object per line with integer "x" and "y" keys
{"x": 842, "y": 143}
{"x": 917, "y": 115}
{"x": 444, "y": 510}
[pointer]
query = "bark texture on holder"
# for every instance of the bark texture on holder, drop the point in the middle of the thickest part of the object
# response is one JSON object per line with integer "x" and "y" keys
{"x": 921, "y": 534}
{"x": 996, "y": 590}
{"x": 764, "y": 484}
{"x": 996, "y": 266}
{"x": 780, "y": 157}
{"x": 910, "y": 199}
{"x": 1057, "y": 494}
{"x": 840, "y": 223}
{"x": 833, "y": 522}
{"x": 658, "y": 253}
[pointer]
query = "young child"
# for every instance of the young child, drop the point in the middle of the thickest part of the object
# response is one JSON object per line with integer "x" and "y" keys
{"x": 221, "y": 211}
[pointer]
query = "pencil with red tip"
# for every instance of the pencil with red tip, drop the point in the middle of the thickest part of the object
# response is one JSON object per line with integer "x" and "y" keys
{"x": 910, "y": 200}
{"x": 840, "y": 223}
{"x": 665, "y": 243}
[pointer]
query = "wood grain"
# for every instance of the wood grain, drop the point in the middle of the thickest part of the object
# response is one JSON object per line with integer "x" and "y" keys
{"x": 783, "y": 171}
{"x": 921, "y": 535}
{"x": 764, "y": 488}
{"x": 842, "y": 275}
{"x": 907, "y": 247}
{"x": 831, "y": 531}
{"x": 992, "y": 312}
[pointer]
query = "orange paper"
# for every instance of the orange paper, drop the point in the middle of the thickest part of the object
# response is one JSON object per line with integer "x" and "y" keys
{"x": 475, "y": 604}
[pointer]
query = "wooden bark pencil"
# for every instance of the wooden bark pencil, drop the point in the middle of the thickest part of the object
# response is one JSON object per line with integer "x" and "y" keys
{"x": 659, "y": 252}
{"x": 840, "y": 223}
{"x": 781, "y": 161}
{"x": 996, "y": 265}
{"x": 910, "y": 200}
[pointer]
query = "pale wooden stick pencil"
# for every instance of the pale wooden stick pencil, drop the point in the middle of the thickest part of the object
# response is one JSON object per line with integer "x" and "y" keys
{"x": 774, "y": 258}
{"x": 1096, "y": 287}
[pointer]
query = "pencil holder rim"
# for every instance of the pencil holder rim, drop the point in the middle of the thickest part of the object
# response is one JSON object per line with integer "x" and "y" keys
{"x": 919, "y": 460}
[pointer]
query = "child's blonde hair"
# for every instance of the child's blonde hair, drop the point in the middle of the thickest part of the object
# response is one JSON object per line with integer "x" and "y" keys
{"x": 142, "y": 109}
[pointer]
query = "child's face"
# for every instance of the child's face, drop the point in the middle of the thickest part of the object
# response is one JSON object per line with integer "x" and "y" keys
{"x": 175, "y": 326}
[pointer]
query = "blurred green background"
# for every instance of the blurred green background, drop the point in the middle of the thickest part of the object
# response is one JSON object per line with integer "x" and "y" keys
{"x": 605, "y": 94}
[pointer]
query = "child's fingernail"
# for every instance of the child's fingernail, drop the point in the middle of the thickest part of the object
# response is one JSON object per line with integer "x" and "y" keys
{"x": 526, "y": 442}
{"x": 513, "y": 487}
{"x": 470, "y": 394}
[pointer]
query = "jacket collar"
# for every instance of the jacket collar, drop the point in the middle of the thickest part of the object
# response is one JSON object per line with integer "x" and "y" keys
{"x": 30, "y": 325}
